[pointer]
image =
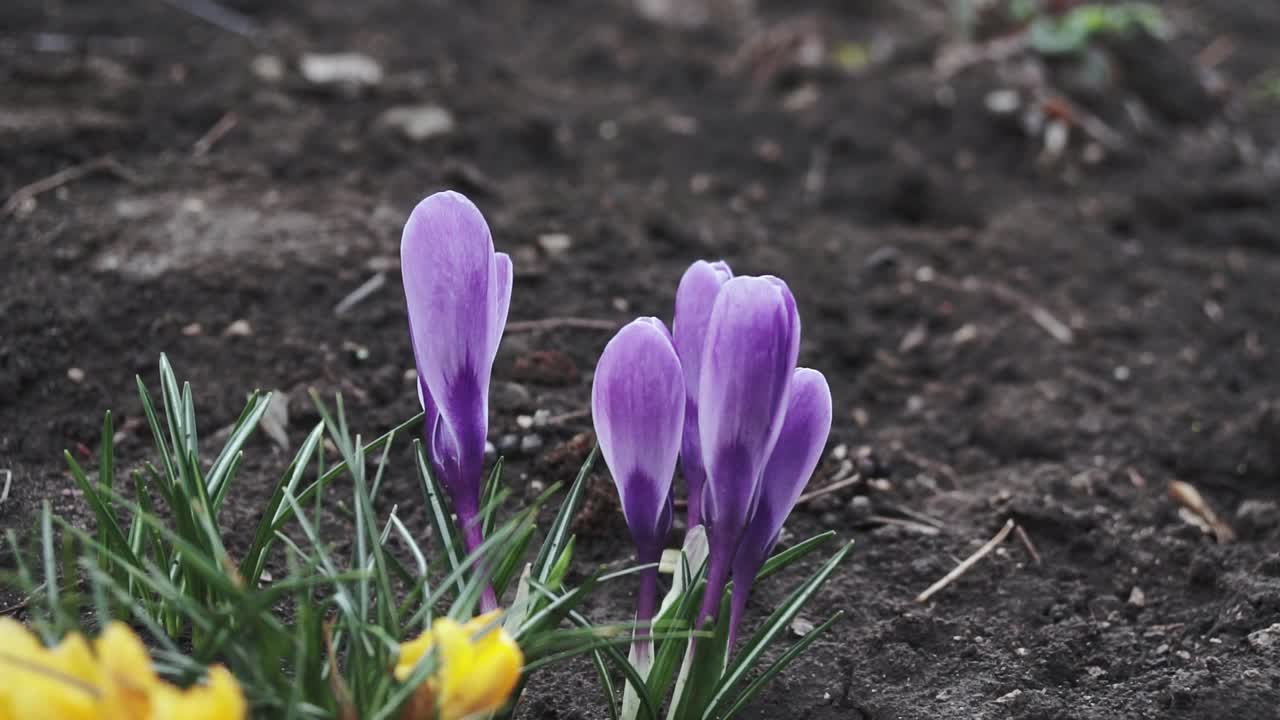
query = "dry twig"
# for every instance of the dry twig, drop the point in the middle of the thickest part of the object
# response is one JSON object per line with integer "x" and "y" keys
{"x": 219, "y": 15}
{"x": 570, "y": 416}
{"x": 1186, "y": 495}
{"x": 912, "y": 525}
{"x": 833, "y": 487}
{"x": 206, "y": 142}
{"x": 1026, "y": 543}
{"x": 26, "y": 193}
{"x": 357, "y": 296}
{"x": 561, "y": 322}
{"x": 967, "y": 563}
{"x": 1059, "y": 330}
{"x": 935, "y": 466}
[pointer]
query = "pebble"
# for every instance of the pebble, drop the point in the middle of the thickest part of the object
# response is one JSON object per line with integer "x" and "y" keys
{"x": 268, "y": 68}
{"x": 1265, "y": 640}
{"x": 350, "y": 68}
{"x": 75, "y": 375}
{"x": 541, "y": 418}
{"x": 840, "y": 452}
{"x": 555, "y": 243}
{"x": 1003, "y": 102}
{"x": 508, "y": 442}
{"x": 530, "y": 443}
{"x": 490, "y": 451}
{"x": 1254, "y": 518}
{"x": 524, "y": 421}
{"x": 509, "y": 395}
{"x": 195, "y": 329}
{"x": 801, "y": 627}
{"x": 860, "y": 508}
{"x": 1137, "y": 598}
{"x": 239, "y": 328}
{"x": 418, "y": 122}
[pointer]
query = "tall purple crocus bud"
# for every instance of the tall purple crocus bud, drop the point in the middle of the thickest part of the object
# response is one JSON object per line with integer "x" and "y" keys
{"x": 695, "y": 297}
{"x": 804, "y": 433}
{"x": 753, "y": 339}
{"x": 458, "y": 291}
{"x": 637, "y": 405}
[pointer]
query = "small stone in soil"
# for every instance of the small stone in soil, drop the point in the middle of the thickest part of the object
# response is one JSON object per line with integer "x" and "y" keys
{"x": 1254, "y": 518}
{"x": 524, "y": 421}
{"x": 239, "y": 328}
{"x": 1266, "y": 640}
{"x": 351, "y": 69}
{"x": 490, "y": 451}
{"x": 75, "y": 375}
{"x": 801, "y": 627}
{"x": 268, "y": 68}
{"x": 193, "y": 330}
{"x": 418, "y": 122}
{"x": 859, "y": 508}
{"x": 555, "y": 243}
{"x": 530, "y": 443}
{"x": 508, "y": 442}
{"x": 541, "y": 418}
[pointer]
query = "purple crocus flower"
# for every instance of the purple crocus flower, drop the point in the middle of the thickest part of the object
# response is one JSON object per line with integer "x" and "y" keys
{"x": 637, "y": 405}
{"x": 695, "y": 297}
{"x": 804, "y": 433}
{"x": 458, "y": 291}
{"x": 752, "y": 342}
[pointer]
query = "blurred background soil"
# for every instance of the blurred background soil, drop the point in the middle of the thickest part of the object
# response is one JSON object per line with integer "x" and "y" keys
{"x": 1043, "y": 288}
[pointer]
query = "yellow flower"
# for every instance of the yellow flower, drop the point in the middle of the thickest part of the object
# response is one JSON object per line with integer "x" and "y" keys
{"x": 219, "y": 699}
{"x": 477, "y": 666}
{"x": 112, "y": 680}
{"x": 40, "y": 682}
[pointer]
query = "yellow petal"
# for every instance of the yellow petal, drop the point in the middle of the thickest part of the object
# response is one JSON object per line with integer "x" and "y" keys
{"x": 411, "y": 652}
{"x": 480, "y": 623}
{"x": 48, "y": 683}
{"x": 128, "y": 677}
{"x": 220, "y": 698}
{"x": 478, "y": 665}
{"x": 479, "y": 673}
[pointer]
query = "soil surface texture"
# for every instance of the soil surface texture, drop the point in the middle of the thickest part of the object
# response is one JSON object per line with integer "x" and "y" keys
{"x": 1043, "y": 288}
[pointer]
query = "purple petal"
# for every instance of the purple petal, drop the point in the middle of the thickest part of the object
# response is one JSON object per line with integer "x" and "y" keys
{"x": 501, "y": 301}
{"x": 457, "y": 292}
{"x": 797, "y": 452}
{"x": 637, "y": 405}
{"x": 695, "y": 298}
{"x": 752, "y": 342}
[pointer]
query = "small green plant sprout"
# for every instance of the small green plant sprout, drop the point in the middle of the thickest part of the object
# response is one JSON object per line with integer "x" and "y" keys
{"x": 307, "y": 632}
{"x": 1068, "y": 28}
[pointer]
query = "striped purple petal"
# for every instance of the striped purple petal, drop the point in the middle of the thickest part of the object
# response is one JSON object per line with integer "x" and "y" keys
{"x": 799, "y": 448}
{"x": 695, "y": 297}
{"x": 637, "y": 404}
{"x": 752, "y": 342}
{"x": 458, "y": 291}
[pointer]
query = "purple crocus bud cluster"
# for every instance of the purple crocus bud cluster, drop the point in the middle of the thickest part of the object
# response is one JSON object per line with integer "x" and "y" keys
{"x": 723, "y": 395}
{"x": 750, "y": 435}
{"x": 458, "y": 291}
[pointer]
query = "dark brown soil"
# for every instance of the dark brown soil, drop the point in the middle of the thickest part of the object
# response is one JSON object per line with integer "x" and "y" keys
{"x": 920, "y": 232}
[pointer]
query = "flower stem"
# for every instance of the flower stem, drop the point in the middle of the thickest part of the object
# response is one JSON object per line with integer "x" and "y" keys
{"x": 473, "y": 538}
{"x": 717, "y": 578}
